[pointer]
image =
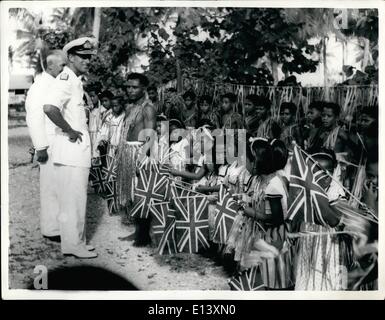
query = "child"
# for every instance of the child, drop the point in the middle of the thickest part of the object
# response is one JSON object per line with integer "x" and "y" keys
{"x": 322, "y": 260}
{"x": 105, "y": 99}
{"x": 189, "y": 114}
{"x": 251, "y": 122}
{"x": 205, "y": 113}
{"x": 314, "y": 123}
{"x": 95, "y": 119}
{"x": 179, "y": 145}
{"x": 280, "y": 156}
{"x": 153, "y": 96}
{"x": 290, "y": 130}
{"x": 267, "y": 128}
{"x": 109, "y": 134}
{"x": 368, "y": 128}
{"x": 263, "y": 237}
{"x": 163, "y": 144}
{"x": 204, "y": 166}
{"x": 230, "y": 119}
{"x": 367, "y": 253}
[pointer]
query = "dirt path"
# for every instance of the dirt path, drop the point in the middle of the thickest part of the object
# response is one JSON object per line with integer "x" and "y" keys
{"x": 141, "y": 266}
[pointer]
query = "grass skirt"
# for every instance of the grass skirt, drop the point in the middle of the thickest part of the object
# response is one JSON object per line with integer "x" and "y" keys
{"x": 126, "y": 171}
{"x": 321, "y": 261}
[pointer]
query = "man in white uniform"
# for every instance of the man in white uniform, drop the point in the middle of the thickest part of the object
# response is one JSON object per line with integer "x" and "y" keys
{"x": 42, "y": 132}
{"x": 71, "y": 149}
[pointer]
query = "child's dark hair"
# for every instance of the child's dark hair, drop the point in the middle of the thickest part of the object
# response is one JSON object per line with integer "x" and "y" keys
{"x": 253, "y": 98}
{"x": 204, "y": 98}
{"x": 263, "y": 154}
{"x": 290, "y": 106}
{"x": 231, "y": 96}
{"x": 177, "y": 123}
{"x": 280, "y": 154}
{"x": 106, "y": 94}
{"x": 119, "y": 98}
{"x": 334, "y": 107}
{"x": 152, "y": 88}
{"x": 189, "y": 94}
{"x": 205, "y": 122}
{"x": 93, "y": 88}
{"x": 262, "y": 101}
{"x": 371, "y": 111}
{"x": 326, "y": 155}
{"x": 143, "y": 80}
{"x": 318, "y": 105}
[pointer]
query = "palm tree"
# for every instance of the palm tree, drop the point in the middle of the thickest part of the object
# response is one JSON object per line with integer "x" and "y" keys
{"x": 31, "y": 31}
{"x": 96, "y": 24}
{"x": 316, "y": 23}
{"x": 82, "y": 21}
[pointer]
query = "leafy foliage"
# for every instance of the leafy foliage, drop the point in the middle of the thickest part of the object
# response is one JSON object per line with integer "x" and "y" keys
{"x": 236, "y": 39}
{"x": 239, "y": 45}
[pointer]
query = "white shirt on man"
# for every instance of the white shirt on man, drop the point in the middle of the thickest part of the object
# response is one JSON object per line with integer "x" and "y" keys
{"x": 41, "y": 128}
{"x": 66, "y": 94}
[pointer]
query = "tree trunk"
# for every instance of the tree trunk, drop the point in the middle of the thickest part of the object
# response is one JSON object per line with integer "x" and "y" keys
{"x": 96, "y": 25}
{"x": 324, "y": 58}
{"x": 179, "y": 80}
{"x": 41, "y": 60}
{"x": 274, "y": 69}
{"x": 365, "y": 61}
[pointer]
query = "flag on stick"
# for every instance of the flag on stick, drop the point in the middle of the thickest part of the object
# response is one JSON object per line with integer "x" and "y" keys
{"x": 248, "y": 280}
{"x": 111, "y": 197}
{"x": 226, "y": 210}
{"x": 96, "y": 177}
{"x": 308, "y": 201}
{"x": 109, "y": 170}
{"x": 152, "y": 186}
{"x": 163, "y": 227}
{"x": 191, "y": 224}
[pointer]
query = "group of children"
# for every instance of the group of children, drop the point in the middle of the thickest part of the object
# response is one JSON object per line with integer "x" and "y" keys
{"x": 258, "y": 178}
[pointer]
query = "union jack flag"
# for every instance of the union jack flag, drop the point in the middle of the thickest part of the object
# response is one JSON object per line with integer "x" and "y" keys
{"x": 191, "y": 224}
{"x": 307, "y": 199}
{"x": 96, "y": 178}
{"x": 152, "y": 165}
{"x": 151, "y": 187}
{"x": 248, "y": 280}
{"x": 109, "y": 170}
{"x": 111, "y": 197}
{"x": 226, "y": 210}
{"x": 163, "y": 227}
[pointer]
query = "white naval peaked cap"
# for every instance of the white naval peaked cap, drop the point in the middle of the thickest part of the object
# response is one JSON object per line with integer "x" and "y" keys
{"x": 84, "y": 45}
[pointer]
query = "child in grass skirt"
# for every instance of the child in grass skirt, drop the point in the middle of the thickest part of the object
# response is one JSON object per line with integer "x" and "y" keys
{"x": 258, "y": 237}
{"x": 323, "y": 260}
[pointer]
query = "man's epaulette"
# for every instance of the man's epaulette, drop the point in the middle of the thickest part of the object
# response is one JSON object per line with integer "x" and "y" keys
{"x": 64, "y": 76}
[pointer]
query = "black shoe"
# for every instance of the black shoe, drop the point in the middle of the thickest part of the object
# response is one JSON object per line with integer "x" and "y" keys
{"x": 53, "y": 238}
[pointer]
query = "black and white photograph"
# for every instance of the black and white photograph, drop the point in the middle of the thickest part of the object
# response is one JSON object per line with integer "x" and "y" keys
{"x": 191, "y": 148}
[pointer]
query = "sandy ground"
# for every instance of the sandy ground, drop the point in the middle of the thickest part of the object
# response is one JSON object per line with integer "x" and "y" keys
{"x": 141, "y": 266}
